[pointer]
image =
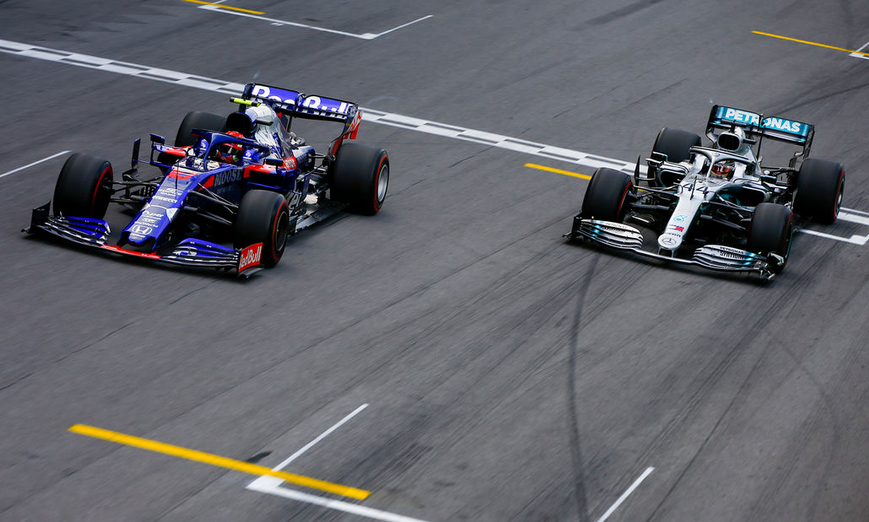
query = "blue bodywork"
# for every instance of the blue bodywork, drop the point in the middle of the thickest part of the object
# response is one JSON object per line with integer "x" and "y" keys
{"x": 198, "y": 183}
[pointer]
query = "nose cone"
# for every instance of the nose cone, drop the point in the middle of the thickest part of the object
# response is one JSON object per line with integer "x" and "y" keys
{"x": 669, "y": 241}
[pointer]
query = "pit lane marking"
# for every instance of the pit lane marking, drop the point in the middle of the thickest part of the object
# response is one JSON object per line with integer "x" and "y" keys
{"x": 216, "y": 460}
{"x": 626, "y": 494}
{"x": 557, "y": 171}
{"x": 272, "y": 486}
{"x": 856, "y": 53}
{"x": 218, "y": 7}
{"x": 19, "y": 169}
{"x": 859, "y": 54}
{"x": 272, "y": 489}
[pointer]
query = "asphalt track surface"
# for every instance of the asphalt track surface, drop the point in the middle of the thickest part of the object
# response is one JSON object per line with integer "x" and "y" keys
{"x": 507, "y": 375}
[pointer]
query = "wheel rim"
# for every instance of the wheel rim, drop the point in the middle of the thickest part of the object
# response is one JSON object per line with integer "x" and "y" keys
{"x": 382, "y": 183}
{"x": 281, "y": 228}
{"x": 839, "y": 195}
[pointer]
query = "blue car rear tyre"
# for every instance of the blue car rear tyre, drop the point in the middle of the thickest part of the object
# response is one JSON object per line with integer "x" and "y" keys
{"x": 197, "y": 120}
{"x": 359, "y": 176}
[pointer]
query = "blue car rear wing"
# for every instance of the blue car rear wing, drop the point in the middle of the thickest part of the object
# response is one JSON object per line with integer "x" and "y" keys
{"x": 792, "y": 131}
{"x": 302, "y": 105}
{"x": 295, "y": 104}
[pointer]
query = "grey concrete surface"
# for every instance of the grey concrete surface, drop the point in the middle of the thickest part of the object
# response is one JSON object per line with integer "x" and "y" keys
{"x": 508, "y": 375}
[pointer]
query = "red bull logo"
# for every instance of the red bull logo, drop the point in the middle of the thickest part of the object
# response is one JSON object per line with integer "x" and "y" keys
{"x": 250, "y": 257}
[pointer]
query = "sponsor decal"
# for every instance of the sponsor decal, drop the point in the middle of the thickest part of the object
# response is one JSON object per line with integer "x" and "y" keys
{"x": 167, "y": 200}
{"x": 677, "y": 228}
{"x": 680, "y": 218}
{"x": 290, "y": 163}
{"x": 779, "y": 124}
{"x": 141, "y": 230}
{"x": 229, "y": 176}
{"x": 250, "y": 256}
{"x": 773, "y": 123}
{"x": 261, "y": 91}
{"x": 668, "y": 240}
{"x": 169, "y": 192}
{"x": 730, "y": 255}
{"x": 738, "y": 116}
{"x": 312, "y": 104}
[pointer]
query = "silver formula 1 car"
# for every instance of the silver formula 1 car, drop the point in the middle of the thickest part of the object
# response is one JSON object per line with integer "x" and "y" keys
{"x": 718, "y": 207}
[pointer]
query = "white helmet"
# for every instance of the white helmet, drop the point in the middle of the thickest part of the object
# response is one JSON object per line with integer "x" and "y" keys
{"x": 261, "y": 114}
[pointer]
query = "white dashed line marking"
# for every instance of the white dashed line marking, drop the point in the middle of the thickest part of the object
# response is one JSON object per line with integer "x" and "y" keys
{"x": 34, "y": 163}
{"x": 371, "y": 115}
{"x": 626, "y": 494}
{"x": 276, "y": 22}
{"x": 272, "y": 485}
{"x": 384, "y": 118}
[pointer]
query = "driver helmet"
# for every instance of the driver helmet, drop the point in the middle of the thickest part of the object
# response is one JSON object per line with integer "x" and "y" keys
{"x": 230, "y": 152}
{"x": 261, "y": 114}
{"x": 723, "y": 169}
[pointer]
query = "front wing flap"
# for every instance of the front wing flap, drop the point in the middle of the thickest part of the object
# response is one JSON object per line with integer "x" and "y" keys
{"x": 714, "y": 257}
{"x": 189, "y": 252}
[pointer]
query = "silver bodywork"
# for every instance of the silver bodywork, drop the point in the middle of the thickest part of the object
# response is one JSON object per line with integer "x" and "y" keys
{"x": 695, "y": 188}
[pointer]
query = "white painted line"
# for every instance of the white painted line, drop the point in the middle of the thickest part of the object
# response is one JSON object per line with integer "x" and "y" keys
{"x": 371, "y": 115}
{"x": 854, "y": 239}
{"x": 860, "y": 50}
{"x": 322, "y": 436}
{"x": 402, "y": 26}
{"x": 277, "y": 22}
{"x": 627, "y": 493}
{"x": 19, "y": 169}
{"x": 852, "y": 211}
{"x": 854, "y": 216}
{"x": 272, "y": 487}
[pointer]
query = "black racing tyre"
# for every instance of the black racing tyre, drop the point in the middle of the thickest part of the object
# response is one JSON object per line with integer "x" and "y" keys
{"x": 820, "y": 185}
{"x": 197, "y": 120}
{"x": 606, "y": 195}
{"x": 263, "y": 217}
{"x": 360, "y": 177}
{"x": 83, "y": 187}
{"x": 771, "y": 230}
{"x": 675, "y": 144}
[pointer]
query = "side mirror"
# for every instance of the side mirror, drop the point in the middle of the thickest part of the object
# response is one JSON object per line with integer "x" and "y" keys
{"x": 274, "y": 162}
{"x": 156, "y": 138}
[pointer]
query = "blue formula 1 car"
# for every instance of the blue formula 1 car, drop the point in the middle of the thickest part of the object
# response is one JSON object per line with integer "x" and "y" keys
{"x": 245, "y": 179}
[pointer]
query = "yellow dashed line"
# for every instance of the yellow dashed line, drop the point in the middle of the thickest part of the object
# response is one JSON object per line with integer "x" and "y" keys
{"x": 810, "y": 43}
{"x": 557, "y": 171}
{"x": 216, "y": 460}
{"x": 227, "y": 7}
